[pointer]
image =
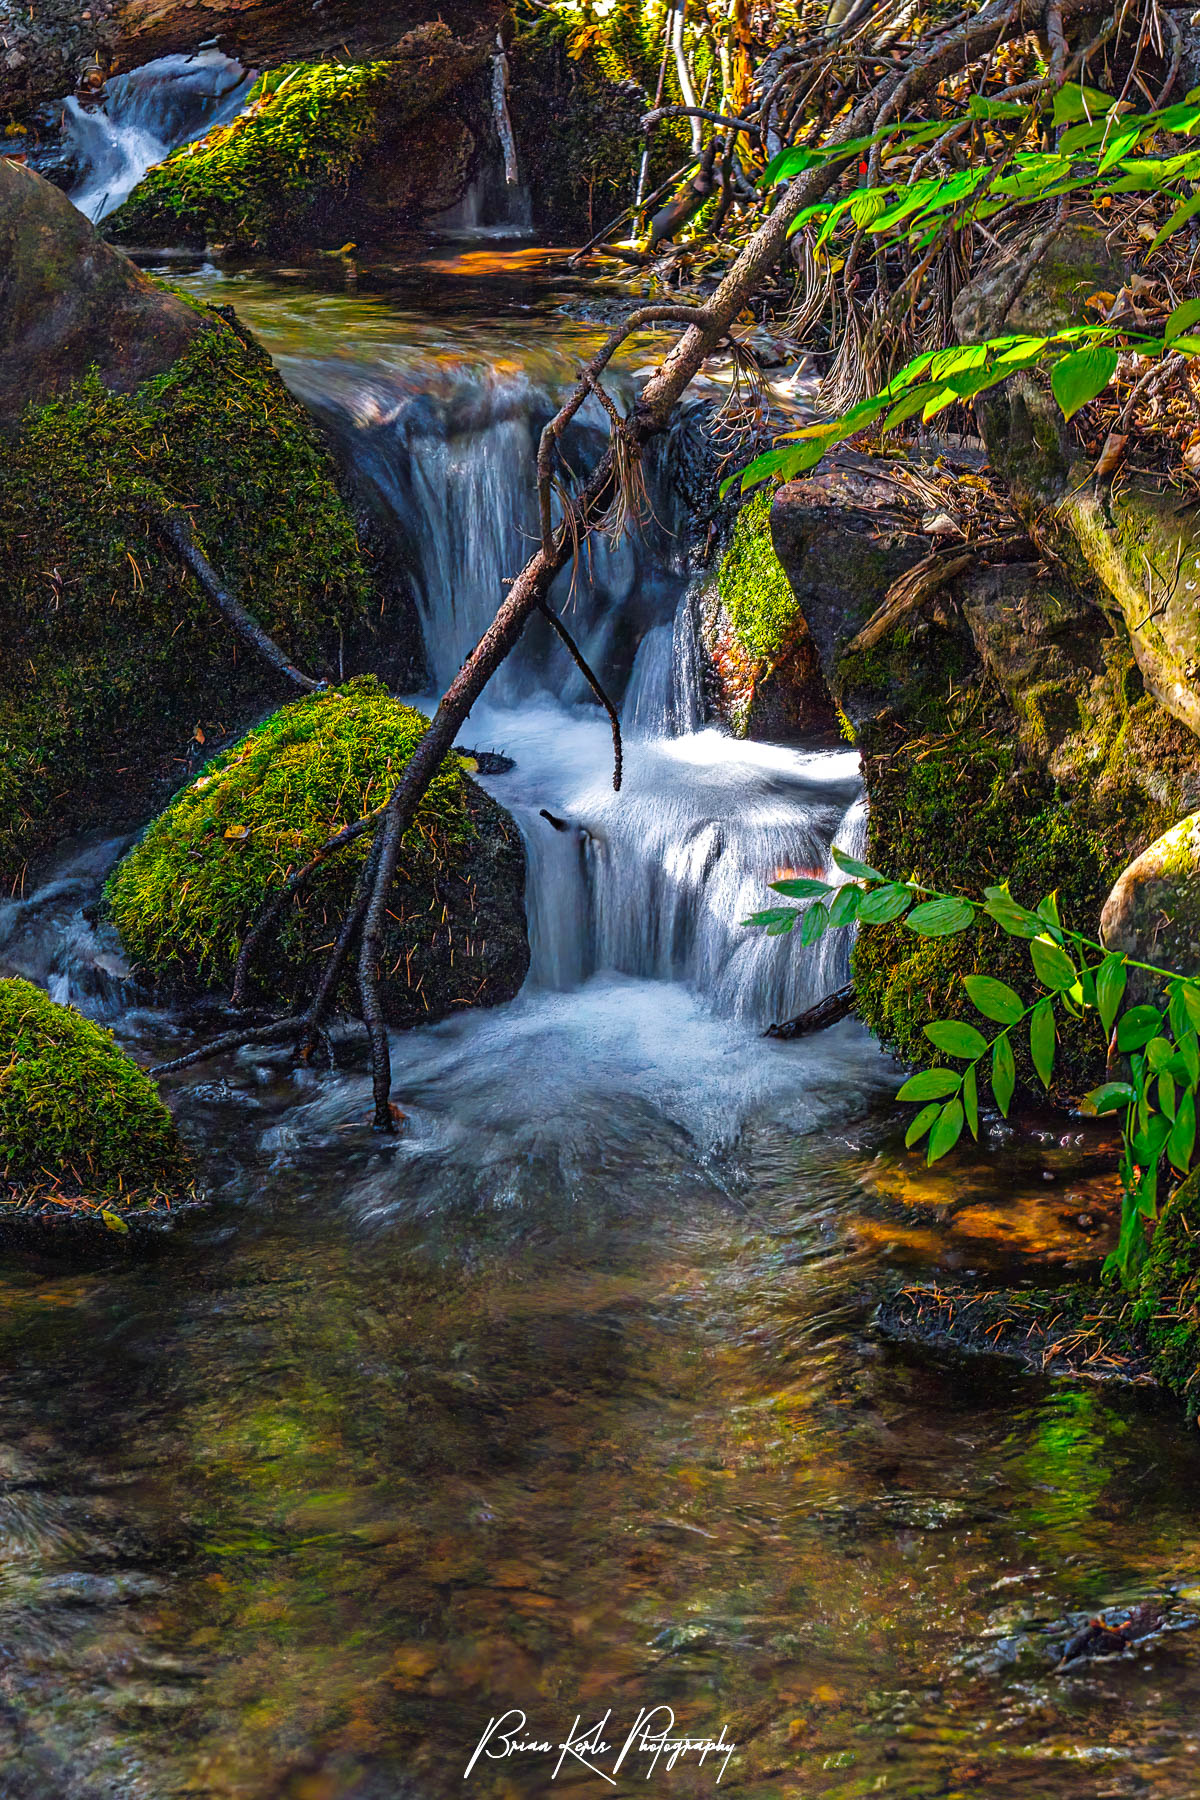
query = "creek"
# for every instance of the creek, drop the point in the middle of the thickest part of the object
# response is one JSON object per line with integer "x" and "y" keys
{"x": 566, "y": 1399}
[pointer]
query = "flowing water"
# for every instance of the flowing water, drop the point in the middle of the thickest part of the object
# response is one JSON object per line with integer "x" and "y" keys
{"x": 565, "y": 1402}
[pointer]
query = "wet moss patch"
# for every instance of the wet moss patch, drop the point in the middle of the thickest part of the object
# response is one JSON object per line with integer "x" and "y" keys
{"x": 185, "y": 897}
{"x": 80, "y": 1124}
{"x": 756, "y": 593}
{"x": 1076, "y": 1331}
{"x": 1167, "y": 1301}
{"x": 114, "y": 668}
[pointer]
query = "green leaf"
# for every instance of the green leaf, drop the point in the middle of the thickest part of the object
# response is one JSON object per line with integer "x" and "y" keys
{"x": 1181, "y": 320}
{"x": 1159, "y": 1052}
{"x": 774, "y": 915}
{"x": 1182, "y": 1140}
{"x": 1137, "y": 1027}
{"x": 1110, "y": 988}
{"x": 920, "y": 1125}
{"x": 994, "y": 999}
{"x": 861, "y": 871}
{"x": 1079, "y": 377}
{"x": 1003, "y": 910}
{"x": 784, "y": 923}
{"x": 955, "y": 1038}
{"x": 1041, "y": 1039}
{"x": 1189, "y": 1056}
{"x": 844, "y": 906}
{"x": 946, "y": 1131}
{"x": 1052, "y": 966}
{"x": 970, "y": 1096}
{"x": 941, "y": 918}
{"x": 1191, "y": 999}
{"x": 884, "y": 904}
{"x": 816, "y": 918}
{"x": 930, "y": 1084}
{"x": 1110, "y": 1097}
{"x": 1074, "y": 102}
{"x": 800, "y": 887}
{"x": 114, "y": 1221}
{"x": 1186, "y": 210}
{"x": 1166, "y": 1094}
{"x": 1004, "y": 1073}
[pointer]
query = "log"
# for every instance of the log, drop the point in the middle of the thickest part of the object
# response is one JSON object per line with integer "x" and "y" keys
{"x": 830, "y": 1011}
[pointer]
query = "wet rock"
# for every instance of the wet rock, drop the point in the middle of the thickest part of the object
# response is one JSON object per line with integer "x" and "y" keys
{"x": 1079, "y": 262}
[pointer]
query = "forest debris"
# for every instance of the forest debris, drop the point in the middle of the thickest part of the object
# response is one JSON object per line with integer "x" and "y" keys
{"x": 829, "y": 1011}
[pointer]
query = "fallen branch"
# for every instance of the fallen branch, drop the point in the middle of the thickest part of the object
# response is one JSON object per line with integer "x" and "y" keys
{"x": 909, "y": 591}
{"x": 594, "y": 684}
{"x": 829, "y": 1011}
{"x": 176, "y": 528}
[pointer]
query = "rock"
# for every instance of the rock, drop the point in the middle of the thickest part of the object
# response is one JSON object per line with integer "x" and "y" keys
{"x": 324, "y": 154}
{"x": 77, "y": 1116}
{"x": 1153, "y": 911}
{"x": 69, "y": 302}
{"x": 49, "y": 49}
{"x": 762, "y": 665}
{"x": 185, "y": 897}
{"x": 115, "y": 674}
{"x": 1076, "y": 264}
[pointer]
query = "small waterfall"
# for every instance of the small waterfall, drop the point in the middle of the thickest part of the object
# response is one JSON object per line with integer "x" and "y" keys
{"x": 143, "y": 117}
{"x": 47, "y": 937}
{"x": 497, "y": 202}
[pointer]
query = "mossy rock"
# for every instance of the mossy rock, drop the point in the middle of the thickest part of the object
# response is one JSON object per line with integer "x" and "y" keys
{"x": 1167, "y": 1296}
{"x": 762, "y": 660}
{"x": 115, "y": 669}
{"x": 323, "y": 151}
{"x": 185, "y": 897}
{"x": 77, "y": 1116}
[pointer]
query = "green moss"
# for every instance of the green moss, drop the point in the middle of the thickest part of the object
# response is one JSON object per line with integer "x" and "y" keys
{"x": 184, "y": 899}
{"x": 753, "y": 587}
{"x": 1167, "y": 1298}
{"x": 76, "y": 1114}
{"x": 959, "y": 813}
{"x": 306, "y": 128}
{"x": 111, "y": 658}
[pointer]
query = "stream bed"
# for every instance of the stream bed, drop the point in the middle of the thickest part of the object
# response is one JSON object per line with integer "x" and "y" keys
{"x": 565, "y": 1404}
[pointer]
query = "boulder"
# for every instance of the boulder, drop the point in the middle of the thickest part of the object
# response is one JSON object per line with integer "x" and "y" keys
{"x": 50, "y": 49}
{"x": 78, "y": 1118}
{"x": 70, "y": 303}
{"x": 324, "y": 154}
{"x": 184, "y": 899}
{"x": 116, "y": 675}
{"x": 1153, "y": 911}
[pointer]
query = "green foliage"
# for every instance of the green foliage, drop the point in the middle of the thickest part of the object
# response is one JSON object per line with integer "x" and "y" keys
{"x": 185, "y": 897}
{"x": 76, "y": 1114}
{"x": 1095, "y": 154}
{"x": 753, "y": 587}
{"x": 1158, "y": 1102}
{"x": 306, "y": 126}
{"x": 109, "y": 654}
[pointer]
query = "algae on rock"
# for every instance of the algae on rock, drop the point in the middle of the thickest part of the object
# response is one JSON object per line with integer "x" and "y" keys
{"x": 184, "y": 899}
{"x": 77, "y": 1116}
{"x": 114, "y": 668}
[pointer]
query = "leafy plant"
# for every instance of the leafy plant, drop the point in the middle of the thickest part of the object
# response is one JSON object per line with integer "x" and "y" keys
{"x": 1097, "y": 151}
{"x": 1157, "y": 1100}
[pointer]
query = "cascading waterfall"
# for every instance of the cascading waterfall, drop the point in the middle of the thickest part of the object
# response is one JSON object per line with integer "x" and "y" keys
{"x": 143, "y": 117}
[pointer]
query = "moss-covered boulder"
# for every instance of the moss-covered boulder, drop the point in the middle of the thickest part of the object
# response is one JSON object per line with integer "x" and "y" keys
{"x": 115, "y": 671}
{"x": 1006, "y": 735}
{"x": 1153, "y": 911}
{"x": 763, "y": 667}
{"x": 185, "y": 897}
{"x": 78, "y": 1118}
{"x": 324, "y": 153}
{"x": 1167, "y": 1297}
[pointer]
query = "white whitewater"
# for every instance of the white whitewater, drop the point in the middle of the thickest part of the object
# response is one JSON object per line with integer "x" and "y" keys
{"x": 145, "y": 115}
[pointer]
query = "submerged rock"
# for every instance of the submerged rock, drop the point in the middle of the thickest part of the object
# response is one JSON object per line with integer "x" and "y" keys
{"x": 77, "y": 1116}
{"x": 185, "y": 897}
{"x": 323, "y": 153}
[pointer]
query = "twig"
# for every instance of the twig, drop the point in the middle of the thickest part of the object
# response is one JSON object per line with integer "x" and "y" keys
{"x": 595, "y": 686}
